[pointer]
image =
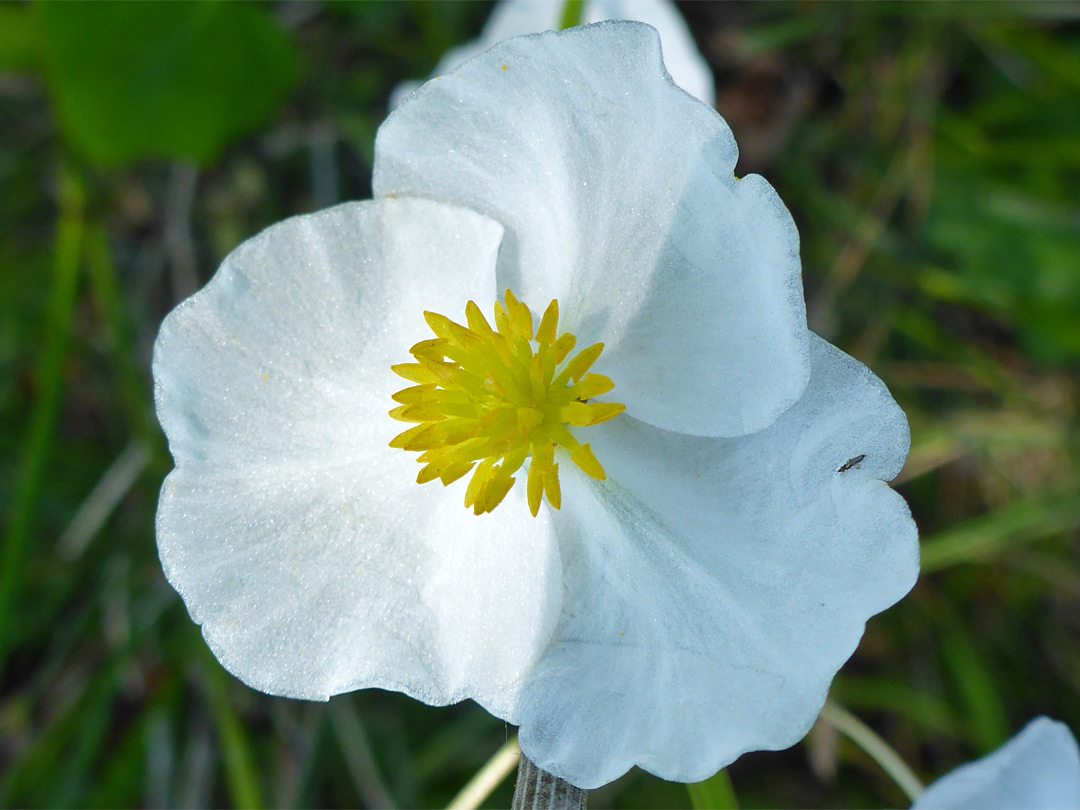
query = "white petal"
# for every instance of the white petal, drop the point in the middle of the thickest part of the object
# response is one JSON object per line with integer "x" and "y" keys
{"x": 682, "y": 59}
{"x": 1038, "y": 769}
{"x": 715, "y": 586}
{"x": 617, "y": 192}
{"x": 294, "y": 336}
{"x": 512, "y": 18}
{"x": 297, "y": 537}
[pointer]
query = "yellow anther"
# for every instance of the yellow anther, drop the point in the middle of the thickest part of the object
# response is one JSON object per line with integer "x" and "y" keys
{"x": 427, "y": 412}
{"x": 563, "y": 346}
{"x": 432, "y": 349}
{"x": 527, "y": 419}
{"x": 401, "y": 414}
{"x": 454, "y": 471}
{"x": 577, "y": 367}
{"x": 502, "y": 321}
{"x": 447, "y": 329}
{"x": 418, "y": 393}
{"x": 520, "y": 318}
{"x": 605, "y": 411}
{"x": 585, "y": 459}
{"x": 479, "y": 481}
{"x": 535, "y": 488}
{"x": 487, "y": 400}
{"x": 403, "y": 440}
{"x": 431, "y": 471}
{"x": 414, "y": 372}
{"x": 592, "y": 385}
{"x": 441, "y": 373}
{"x": 545, "y": 334}
{"x": 476, "y": 320}
{"x": 579, "y": 414}
{"x": 552, "y": 488}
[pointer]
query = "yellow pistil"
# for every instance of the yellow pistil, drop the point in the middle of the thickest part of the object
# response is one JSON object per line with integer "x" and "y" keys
{"x": 486, "y": 400}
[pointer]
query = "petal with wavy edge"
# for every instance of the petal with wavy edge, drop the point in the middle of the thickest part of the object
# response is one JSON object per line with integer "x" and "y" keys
{"x": 296, "y": 536}
{"x": 617, "y": 192}
{"x": 512, "y": 18}
{"x": 715, "y": 586}
{"x": 682, "y": 59}
{"x": 1038, "y": 769}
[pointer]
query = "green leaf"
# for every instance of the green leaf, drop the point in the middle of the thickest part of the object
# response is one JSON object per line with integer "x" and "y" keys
{"x": 715, "y": 793}
{"x": 978, "y": 689}
{"x": 20, "y": 45}
{"x": 163, "y": 80}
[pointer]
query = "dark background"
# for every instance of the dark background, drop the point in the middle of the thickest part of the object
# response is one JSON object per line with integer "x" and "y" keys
{"x": 929, "y": 153}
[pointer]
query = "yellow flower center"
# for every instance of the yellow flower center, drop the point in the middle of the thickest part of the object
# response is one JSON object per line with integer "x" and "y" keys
{"x": 492, "y": 398}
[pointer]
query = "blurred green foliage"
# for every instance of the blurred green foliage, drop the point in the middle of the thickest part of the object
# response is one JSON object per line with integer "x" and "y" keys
{"x": 162, "y": 80}
{"x": 931, "y": 156}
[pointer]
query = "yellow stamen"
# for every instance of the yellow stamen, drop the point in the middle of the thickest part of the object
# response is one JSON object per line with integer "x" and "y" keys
{"x": 487, "y": 399}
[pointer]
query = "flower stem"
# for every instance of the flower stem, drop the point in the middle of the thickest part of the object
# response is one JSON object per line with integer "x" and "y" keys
{"x": 870, "y": 742}
{"x": 715, "y": 793}
{"x": 537, "y": 789}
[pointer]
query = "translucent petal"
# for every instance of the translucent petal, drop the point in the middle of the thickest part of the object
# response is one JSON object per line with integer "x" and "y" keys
{"x": 617, "y": 192}
{"x": 718, "y": 585}
{"x": 1038, "y": 769}
{"x": 296, "y": 536}
{"x": 512, "y": 18}
{"x": 682, "y": 59}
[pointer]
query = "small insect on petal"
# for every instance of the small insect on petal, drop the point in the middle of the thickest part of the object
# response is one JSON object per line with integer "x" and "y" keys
{"x": 852, "y": 462}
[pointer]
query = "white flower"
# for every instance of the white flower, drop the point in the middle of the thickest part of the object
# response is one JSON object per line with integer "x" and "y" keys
{"x": 512, "y": 18}
{"x": 1038, "y": 769}
{"x": 694, "y": 605}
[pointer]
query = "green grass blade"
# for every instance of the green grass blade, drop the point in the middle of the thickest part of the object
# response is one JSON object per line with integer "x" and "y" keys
{"x": 871, "y": 742}
{"x": 892, "y": 695}
{"x": 1005, "y": 528}
{"x": 571, "y": 14}
{"x": 978, "y": 688}
{"x": 133, "y": 385}
{"x": 493, "y": 774}
{"x": 42, "y": 429}
{"x": 45, "y": 772}
{"x": 89, "y": 743}
{"x": 241, "y": 775}
{"x": 355, "y": 747}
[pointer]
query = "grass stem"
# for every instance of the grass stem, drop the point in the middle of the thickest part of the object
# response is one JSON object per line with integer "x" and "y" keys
{"x": 42, "y": 429}
{"x": 487, "y": 778}
{"x": 871, "y": 742}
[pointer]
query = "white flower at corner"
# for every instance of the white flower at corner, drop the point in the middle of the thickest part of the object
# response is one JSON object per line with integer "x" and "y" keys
{"x": 694, "y": 605}
{"x": 1038, "y": 769}
{"x": 512, "y": 18}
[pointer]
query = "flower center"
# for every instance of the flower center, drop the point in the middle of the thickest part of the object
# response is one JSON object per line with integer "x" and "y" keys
{"x": 492, "y": 398}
